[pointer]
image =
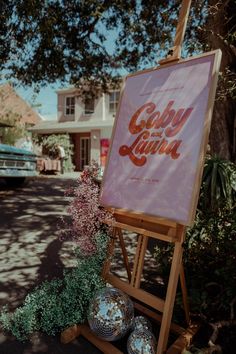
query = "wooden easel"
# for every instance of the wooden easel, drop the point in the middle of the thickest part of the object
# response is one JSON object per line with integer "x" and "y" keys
{"x": 161, "y": 310}
{"x": 148, "y": 227}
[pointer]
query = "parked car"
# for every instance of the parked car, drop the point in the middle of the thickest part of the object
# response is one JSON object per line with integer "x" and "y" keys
{"x": 16, "y": 164}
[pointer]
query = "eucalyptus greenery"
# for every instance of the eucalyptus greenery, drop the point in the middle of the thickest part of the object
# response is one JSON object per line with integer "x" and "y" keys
{"x": 59, "y": 303}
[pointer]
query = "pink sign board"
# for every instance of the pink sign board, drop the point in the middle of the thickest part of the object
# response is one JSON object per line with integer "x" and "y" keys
{"x": 158, "y": 139}
{"x": 104, "y": 151}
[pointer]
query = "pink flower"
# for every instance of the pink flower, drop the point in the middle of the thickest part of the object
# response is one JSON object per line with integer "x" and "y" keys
{"x": 87, "y": 216}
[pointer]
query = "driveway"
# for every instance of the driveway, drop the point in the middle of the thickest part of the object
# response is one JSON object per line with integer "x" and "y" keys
{"x": 30, "y": 252}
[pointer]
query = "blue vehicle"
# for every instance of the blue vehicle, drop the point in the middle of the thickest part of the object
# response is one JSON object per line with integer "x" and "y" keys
{"x": 16, "y": 164}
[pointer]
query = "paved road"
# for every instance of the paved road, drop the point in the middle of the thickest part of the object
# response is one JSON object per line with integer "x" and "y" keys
{"x": 30, "y": 252}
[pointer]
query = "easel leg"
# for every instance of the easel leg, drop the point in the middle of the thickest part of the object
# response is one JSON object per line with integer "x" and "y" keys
{"x": 184, "y": 294}
{"x": 110, "y": 252}
{"x": 139, "y": 261}
{"x": 125, "y": 255}
{"x": 170, "y": 298}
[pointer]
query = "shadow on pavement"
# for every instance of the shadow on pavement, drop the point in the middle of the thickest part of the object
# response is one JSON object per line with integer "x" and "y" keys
{"x": 31, "y": 252}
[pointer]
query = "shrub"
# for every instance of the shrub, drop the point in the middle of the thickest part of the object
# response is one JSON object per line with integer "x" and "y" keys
{"x": 218, "y": 185}
{"x": 210, "y": 250}
{"x": 209, "y": 260}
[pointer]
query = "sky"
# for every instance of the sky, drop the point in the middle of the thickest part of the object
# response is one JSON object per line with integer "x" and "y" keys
{"x": 47, "y": 99}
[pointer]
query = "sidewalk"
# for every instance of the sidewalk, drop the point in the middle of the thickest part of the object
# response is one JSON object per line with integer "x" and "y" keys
{"x": 30, "y": 252}
{"x": 67, "y": 175}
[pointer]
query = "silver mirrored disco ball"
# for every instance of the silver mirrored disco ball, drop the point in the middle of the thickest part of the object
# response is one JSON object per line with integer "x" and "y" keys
{"x": 141, "y": 341}
{"x": 141, "y": 322}
{"x": 110, "y": 314}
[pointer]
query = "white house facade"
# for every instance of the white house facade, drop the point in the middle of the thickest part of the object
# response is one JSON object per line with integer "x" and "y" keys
{"x": 89, "y": 123}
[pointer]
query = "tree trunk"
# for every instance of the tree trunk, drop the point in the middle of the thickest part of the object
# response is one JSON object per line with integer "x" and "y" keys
{"x": 220, "y": 22}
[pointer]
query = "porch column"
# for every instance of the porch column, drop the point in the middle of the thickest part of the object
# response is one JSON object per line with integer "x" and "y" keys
{"x": 95, "y": 145}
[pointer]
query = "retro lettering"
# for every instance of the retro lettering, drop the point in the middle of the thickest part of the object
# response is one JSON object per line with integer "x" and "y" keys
{"x": 154, "y": 129}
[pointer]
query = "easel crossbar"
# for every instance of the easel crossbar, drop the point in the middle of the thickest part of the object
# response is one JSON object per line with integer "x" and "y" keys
{"x": 157, "y": 317}
{"x": 139, "y": 294}
{"x": 144, "y": 232}
{"x": 105, "y": 347}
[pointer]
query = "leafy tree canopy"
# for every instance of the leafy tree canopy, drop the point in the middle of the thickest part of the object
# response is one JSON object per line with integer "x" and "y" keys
{"x": 47, "y": 40}
{"x": 92, "y": 41}
{"x": 13, "y": 130}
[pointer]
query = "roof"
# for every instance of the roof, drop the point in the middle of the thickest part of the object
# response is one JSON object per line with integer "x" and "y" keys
{"x": 71, "y": 127}
{"x": 68, "y": 90}
{"x": 76, "y": 90}
{"x": 11, "y": 101}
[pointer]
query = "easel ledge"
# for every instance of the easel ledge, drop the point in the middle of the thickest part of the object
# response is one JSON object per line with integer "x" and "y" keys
{"x": 142, "y": 224}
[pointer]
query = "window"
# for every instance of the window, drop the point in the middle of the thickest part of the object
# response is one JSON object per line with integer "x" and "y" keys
{"x": 70, "y": 106}
{"x": 89, "y": 106}
{"x": 114, "y": 99}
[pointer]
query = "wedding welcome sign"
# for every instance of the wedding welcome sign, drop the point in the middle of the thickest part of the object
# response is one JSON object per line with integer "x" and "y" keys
{"x": 159, "y": 139}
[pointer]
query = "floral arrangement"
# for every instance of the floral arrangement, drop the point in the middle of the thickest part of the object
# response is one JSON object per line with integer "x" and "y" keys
{"x": 86, "y": 215}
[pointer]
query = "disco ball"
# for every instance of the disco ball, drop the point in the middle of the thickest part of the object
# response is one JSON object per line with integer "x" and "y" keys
{"x": 110, "y": 314}
{"x": 141, "y": 322}
{"x": 141, "y": 341}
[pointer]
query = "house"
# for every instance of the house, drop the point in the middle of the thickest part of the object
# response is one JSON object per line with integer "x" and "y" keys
{"x": 12, "y": 104}
{"x": 10, "y": 101}
{"x": 88, "y": 121}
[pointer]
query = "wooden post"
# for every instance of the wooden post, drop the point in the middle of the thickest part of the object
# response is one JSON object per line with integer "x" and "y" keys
{"x": 110, "y": 252}
{"x": 171, "y": 292}
{"x": 175, "y": 51}
{"x": 125, "y": 255}
{"x": 139, "y": 261}
{"x": 184, "y": 294}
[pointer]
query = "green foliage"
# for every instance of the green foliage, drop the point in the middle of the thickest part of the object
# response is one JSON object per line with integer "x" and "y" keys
{"x": 73, "y": 36}
{"x": 16, "y": 131}
{"x": 48, "y": 142}
{"x": 209, "y": 259}
{"x": 219, "y": 184}
{"x": 96, "y": 41}
{"x": 59, "y": 303}
{"x": 210, "y": 249}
